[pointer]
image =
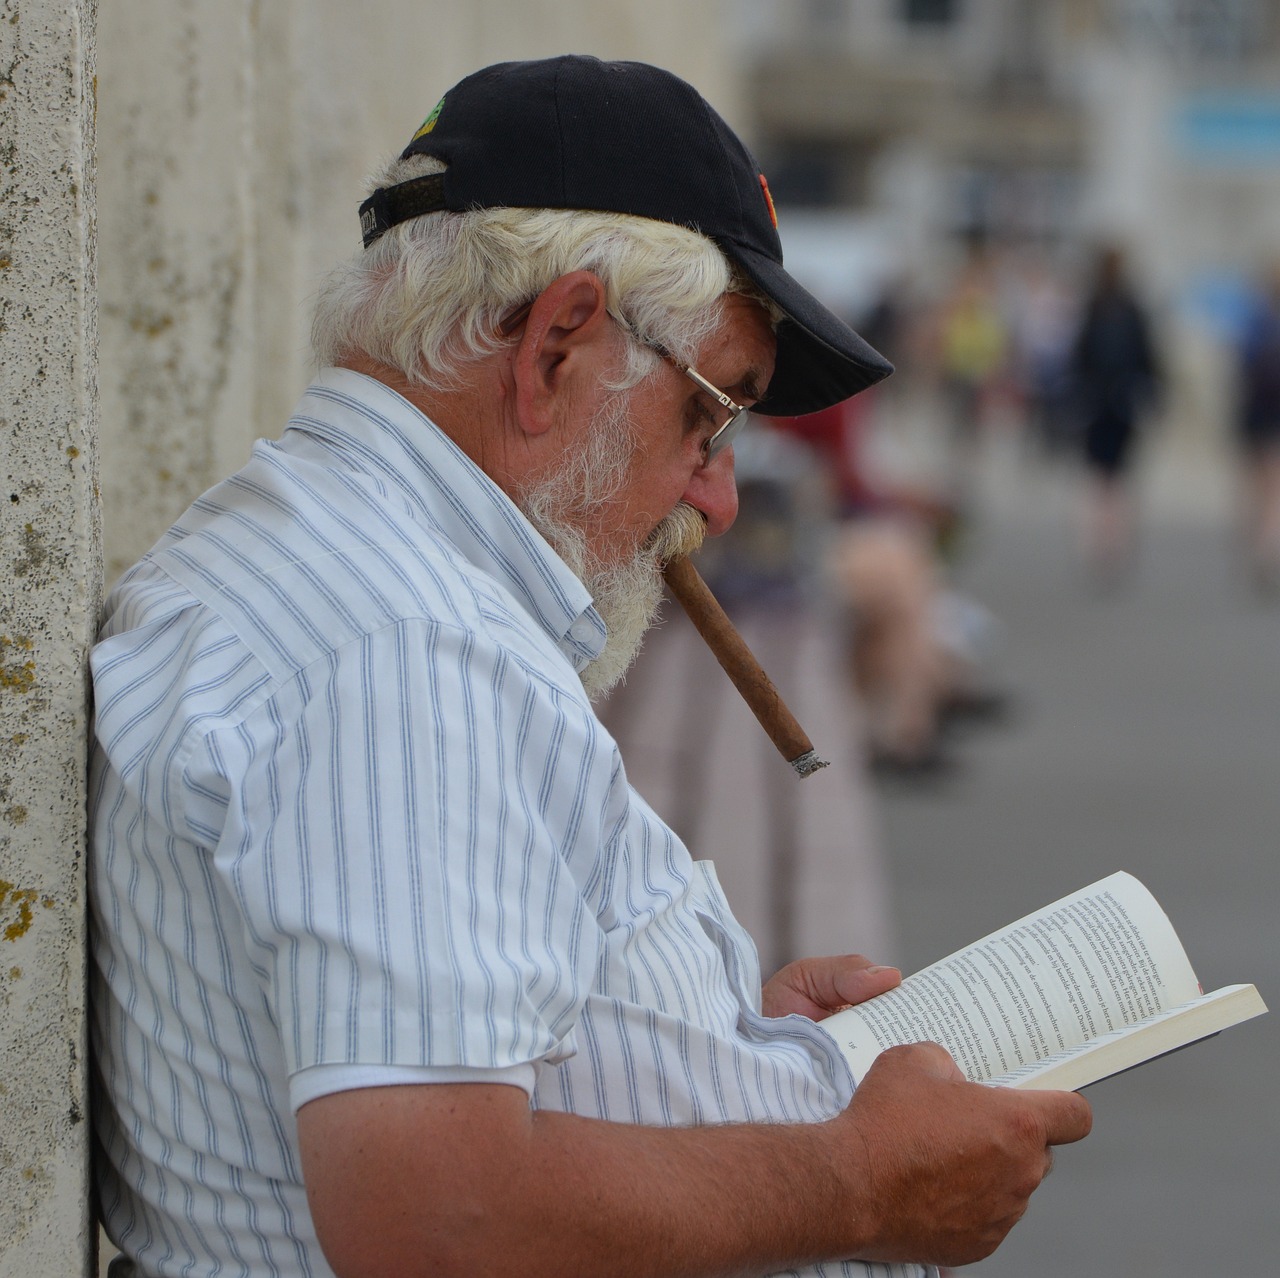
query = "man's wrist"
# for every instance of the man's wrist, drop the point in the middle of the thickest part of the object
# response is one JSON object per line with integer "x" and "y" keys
{"x": 844, "y": 1180}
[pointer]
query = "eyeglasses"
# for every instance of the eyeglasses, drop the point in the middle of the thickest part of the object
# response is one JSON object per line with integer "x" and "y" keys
{"x": 719, "y": 439}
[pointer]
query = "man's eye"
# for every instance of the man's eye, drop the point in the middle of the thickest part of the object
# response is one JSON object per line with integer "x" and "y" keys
{"x": 701, "y": 417}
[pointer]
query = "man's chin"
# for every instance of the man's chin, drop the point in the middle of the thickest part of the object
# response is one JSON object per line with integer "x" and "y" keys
{"x": 627, "y": 600}
{"x": 628, "y": 596}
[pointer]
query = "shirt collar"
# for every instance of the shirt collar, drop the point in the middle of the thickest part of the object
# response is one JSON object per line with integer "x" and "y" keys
{"x": 410, "y": 453}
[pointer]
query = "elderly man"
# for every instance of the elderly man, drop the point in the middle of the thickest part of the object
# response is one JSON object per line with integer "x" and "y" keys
{"x": 394, "y": 973}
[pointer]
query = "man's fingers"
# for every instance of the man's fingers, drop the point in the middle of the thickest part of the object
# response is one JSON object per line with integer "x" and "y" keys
{"x": 855, "y": 983}
{"x": 843, "y": 979}
{"x": 816, "y": 987}
{"x": 930, "y": 1058}
{"x": 1076, "y": 1121}
{"x": 1067, "y": 1116}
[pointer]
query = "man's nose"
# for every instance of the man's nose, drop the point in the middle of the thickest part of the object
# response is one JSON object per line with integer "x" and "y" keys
{"x": 713, "y": 491}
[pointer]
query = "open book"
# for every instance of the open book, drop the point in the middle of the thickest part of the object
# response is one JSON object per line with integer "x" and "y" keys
{"x": 1091, "y": 985}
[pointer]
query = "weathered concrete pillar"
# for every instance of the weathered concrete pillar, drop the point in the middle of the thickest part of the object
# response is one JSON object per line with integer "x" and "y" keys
{"x": 50, "y": 561}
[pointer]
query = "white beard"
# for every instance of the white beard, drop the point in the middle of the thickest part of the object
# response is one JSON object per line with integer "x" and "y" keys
{"x": 627, "y": 594}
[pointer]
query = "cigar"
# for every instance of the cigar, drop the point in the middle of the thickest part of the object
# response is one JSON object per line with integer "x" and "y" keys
{"x": 748, "y": 676}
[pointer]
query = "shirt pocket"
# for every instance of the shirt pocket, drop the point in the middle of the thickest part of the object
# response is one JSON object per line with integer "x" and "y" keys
{"x": 733, "y": 943}
{"x": 742, "y": 967}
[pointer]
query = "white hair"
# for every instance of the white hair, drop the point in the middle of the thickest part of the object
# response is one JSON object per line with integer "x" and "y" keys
{"x": 427, "y": 297}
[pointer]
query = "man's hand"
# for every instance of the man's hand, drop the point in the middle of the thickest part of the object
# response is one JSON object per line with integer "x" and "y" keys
{"x": 953, "y": 1163}
{"x": 817, "y": 987}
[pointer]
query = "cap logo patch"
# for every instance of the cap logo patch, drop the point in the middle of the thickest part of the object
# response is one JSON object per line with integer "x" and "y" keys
{"x": 430, "y": 122}
{"x": 768, "y": 199}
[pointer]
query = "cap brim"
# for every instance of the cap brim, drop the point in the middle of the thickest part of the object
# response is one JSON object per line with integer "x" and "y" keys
{"x": 820, "y": 360}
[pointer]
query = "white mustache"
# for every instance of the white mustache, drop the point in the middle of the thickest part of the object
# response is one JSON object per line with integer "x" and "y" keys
{"x": 680, "y": 533}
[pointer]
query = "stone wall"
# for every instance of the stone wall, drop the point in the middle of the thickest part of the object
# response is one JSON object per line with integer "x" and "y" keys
{"x": 51, "y": 556}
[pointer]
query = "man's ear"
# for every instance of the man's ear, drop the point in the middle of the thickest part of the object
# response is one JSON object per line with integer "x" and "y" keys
{"x": 561, "y": 349}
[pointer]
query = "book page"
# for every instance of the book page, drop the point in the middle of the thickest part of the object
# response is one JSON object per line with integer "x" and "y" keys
{"x": 1102, "y": 958}
{"x": 1131, "y": 1045}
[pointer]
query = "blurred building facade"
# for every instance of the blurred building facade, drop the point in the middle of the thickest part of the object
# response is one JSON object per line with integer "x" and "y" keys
{"x": 1151, "y": 122}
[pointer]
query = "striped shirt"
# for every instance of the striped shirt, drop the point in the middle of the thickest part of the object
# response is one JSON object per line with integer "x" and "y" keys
{"x": 355, "y": 822}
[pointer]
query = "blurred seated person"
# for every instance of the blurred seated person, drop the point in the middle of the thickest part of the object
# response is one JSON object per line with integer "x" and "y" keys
{"x": 1258, "y": 431}
{"x": 913, "y": 645}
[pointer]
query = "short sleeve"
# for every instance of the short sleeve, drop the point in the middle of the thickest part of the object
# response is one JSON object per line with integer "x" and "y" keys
{"x": 400, "y": 832}
{"x": 326, "y": 1080}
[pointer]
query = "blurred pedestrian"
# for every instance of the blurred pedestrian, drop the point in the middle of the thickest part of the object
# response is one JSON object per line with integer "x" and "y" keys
{"x": 1116, "y": 377}
{"x": 1045, "y": 318}
{"x": 1258, "y": 429}
{"x": 972, "y": 353}
{"x": 910, "y": 663}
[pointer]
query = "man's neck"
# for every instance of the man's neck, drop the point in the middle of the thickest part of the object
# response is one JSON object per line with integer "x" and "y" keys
{"x": 421, "y": 397}
{"x": 468, "y": 411}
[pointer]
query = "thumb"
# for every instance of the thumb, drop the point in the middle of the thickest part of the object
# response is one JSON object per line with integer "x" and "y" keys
{"x": 1067, "y": 1116}
{"x": 855, "y": 981}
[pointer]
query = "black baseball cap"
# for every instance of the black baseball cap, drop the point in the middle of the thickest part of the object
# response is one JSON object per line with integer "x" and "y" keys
{"x": 575, "y": 132}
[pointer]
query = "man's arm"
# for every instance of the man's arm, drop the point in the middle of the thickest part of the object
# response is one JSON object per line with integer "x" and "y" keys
{"x": 466, "y": 1179}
